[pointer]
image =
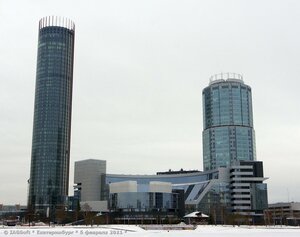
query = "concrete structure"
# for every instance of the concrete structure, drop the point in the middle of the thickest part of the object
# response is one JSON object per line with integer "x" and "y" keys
{"x": 50, "y": 155}
{"x": 228, "y": 133}
{"x": 123, "y": 187}
{"x": 133, "y": 187}
{"x": 283, "y": 213}
{"x": 87, "y": 178}
{"x": 248, "y": 192}
{"x": 89, "y": 183}
{"x": 160, "y": 187}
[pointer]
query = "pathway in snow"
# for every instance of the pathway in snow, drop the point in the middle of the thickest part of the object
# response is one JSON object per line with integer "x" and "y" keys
{"x": 132, "y": 230}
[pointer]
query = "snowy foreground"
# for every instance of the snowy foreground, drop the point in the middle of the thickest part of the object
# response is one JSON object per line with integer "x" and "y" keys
{"x": 130, "y": 230}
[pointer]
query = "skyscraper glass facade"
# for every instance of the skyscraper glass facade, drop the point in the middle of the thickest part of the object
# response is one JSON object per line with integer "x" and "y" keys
{"x": 228, "y": 122}
{"x": 49, "y": 175}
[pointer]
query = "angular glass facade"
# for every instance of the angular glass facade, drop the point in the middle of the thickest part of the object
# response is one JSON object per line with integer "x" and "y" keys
{"x": 216, "y": 201}
{"x": 228, "y": 133}
{"x": 49, "y": 174}
{"x": 193, "y": 184}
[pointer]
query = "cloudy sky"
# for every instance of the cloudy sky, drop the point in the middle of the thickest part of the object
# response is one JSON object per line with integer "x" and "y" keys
{"x": 140, "y": 67}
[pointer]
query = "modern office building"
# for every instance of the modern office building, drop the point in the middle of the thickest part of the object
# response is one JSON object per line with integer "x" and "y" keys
{"x": 232, "y": 184}
{"x": 50, "y": 155}
{"x": 228, "y": 133}
{"x": 236, "y": 189}
{"x": 248, "y": 193}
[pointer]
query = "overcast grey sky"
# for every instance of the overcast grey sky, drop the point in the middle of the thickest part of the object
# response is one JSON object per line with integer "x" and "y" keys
{"x": 140, "y": 67}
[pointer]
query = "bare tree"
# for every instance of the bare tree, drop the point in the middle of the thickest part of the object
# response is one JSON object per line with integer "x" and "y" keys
{"x": 87, "y": 213}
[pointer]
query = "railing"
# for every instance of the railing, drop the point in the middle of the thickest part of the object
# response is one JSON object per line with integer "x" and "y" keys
{"x": 56, "y": 21}
{"x": 225, "y": 76}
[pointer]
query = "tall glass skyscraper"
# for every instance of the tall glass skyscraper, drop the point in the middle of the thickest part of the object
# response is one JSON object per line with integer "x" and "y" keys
{"x": 50, "y": 155}
{"x": 228, "y": 133}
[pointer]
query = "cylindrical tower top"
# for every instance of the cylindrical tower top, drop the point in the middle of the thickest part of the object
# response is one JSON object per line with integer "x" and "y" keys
{"x": 228, "y": 133}
{"x": 228, "y": 76}
{"x": 56, "y": 21}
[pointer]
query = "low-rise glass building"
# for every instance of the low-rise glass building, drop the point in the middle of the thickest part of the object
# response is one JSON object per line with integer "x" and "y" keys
{"x": 133, "y": 202}
{"x": 238, "y": 189}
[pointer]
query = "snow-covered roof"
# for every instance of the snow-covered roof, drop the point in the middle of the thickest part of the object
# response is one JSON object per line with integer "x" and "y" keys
{"x": 195, "y": 214}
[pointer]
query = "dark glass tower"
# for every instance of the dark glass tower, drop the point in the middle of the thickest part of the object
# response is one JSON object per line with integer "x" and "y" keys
{"x": 228, "y": 133}
{"x": 50, "y": 155}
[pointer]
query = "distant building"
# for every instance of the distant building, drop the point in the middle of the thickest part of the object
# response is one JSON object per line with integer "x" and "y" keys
{"x": 228, "y": 133}
{"x": 50, "y": 154}
{"x": 12, "y": 211}
{"x": 283, "y": 213}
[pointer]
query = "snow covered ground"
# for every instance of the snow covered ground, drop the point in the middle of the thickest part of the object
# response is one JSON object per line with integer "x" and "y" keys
{"x": 131, "y": 230}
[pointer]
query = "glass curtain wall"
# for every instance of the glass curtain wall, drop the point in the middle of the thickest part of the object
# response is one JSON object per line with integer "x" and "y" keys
{"x": 228, "y": 133}
{"x": 49, "y": 176}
